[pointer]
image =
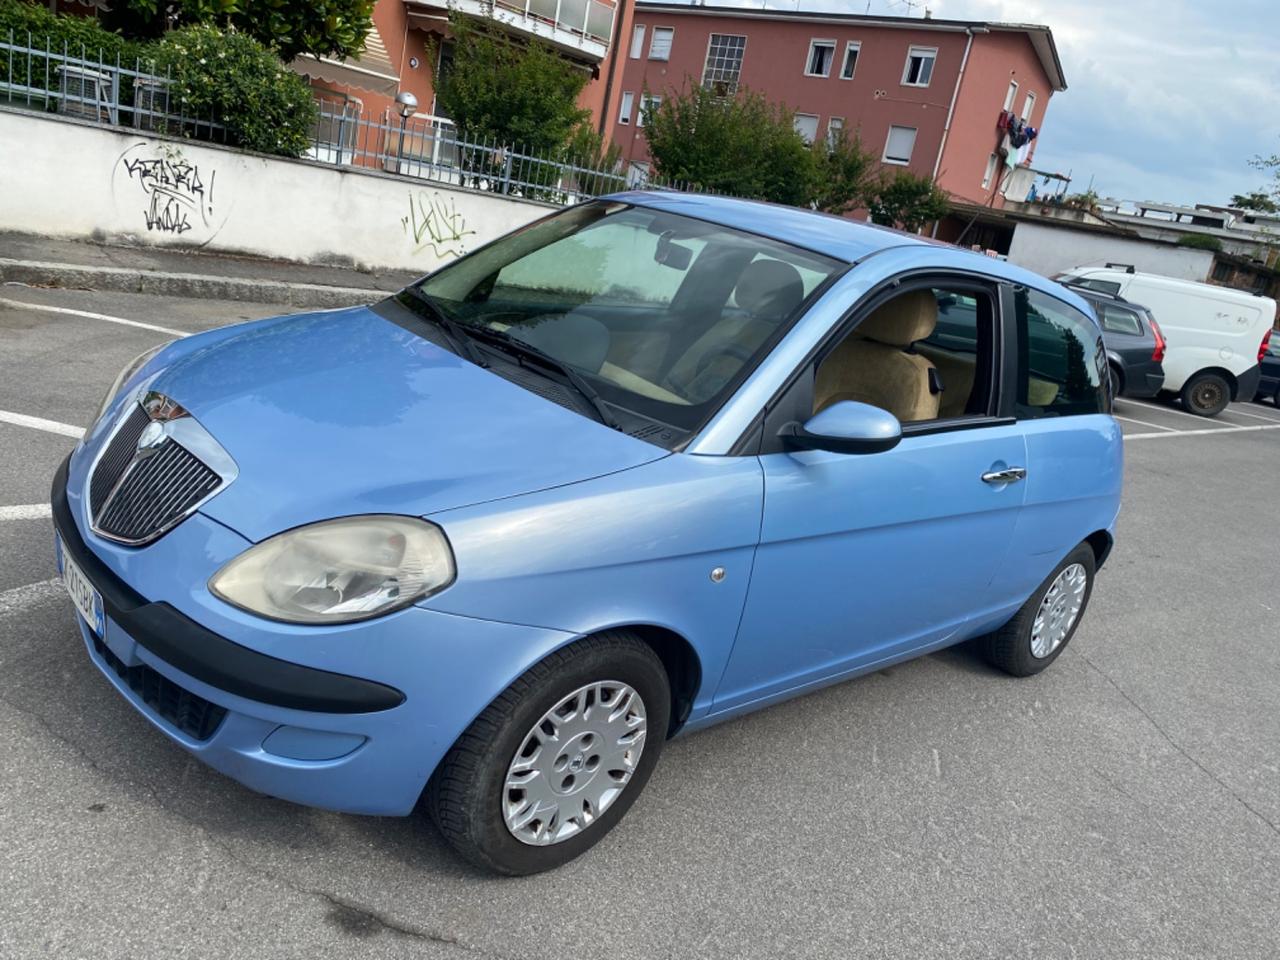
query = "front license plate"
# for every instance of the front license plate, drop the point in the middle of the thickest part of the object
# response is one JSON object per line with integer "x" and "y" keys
{"x": 87, "y": 600}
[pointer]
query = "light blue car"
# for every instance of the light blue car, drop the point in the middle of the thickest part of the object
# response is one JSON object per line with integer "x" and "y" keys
{"x": 644, "y": 465}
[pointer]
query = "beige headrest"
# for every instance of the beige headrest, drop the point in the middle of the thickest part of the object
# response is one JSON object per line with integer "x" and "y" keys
{"x": 769, "y": 289}
{"x": 903, "y": 320}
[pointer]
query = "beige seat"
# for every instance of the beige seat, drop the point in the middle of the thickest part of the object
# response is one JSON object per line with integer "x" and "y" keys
{"x": 767, "y": 292}
{"x": 958, "y": 371}
{"x": 872, "y": 364}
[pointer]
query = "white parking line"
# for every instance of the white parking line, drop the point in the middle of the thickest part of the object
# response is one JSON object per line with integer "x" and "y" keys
{"x": 1164, "y": 409}
{"x": 1142, "y": 423}
{"x": 1199, "y": 433}
{"x": 19, "y": 598}
{"x": 23, "y": 305}
{"x": 1255, "y": 416}
{"x": 39, "y": 423}
{"x": 26, "y": 511}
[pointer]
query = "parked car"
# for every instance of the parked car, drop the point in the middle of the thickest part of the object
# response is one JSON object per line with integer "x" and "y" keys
{"x": 1214, "y": 332}
{"x": 1269, "y": 362}
{"x": 644, "y": 465}
{"x": 1135, "y": 343}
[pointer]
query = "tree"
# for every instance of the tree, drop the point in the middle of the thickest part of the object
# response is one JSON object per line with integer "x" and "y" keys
{"x": 520, "y": 93}
{"x": 742, "y": 145}
{"x": 907, "y": 200}
{"x": 324, "y": 28}
{"x": 846, "y": 174}
{"x": 1258, "y": 200}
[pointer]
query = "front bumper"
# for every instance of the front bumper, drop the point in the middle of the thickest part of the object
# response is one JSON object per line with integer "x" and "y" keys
{"x": 276, "y": 706}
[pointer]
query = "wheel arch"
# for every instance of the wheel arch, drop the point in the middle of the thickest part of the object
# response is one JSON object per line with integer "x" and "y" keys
{"x": 682, "y": 663}
{"x": 1223, "y": 372}
{"x": 1101, "y": 542}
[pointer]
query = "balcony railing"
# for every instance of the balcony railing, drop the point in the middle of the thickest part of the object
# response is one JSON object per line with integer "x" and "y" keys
{"x": 585, "y": 25}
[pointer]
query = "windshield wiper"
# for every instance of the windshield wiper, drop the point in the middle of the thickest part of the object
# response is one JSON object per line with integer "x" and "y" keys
{"x": 462, "y": 344}
{"x": 521, "y": 348}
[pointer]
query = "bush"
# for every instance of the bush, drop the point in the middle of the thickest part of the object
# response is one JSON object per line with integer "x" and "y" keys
{"x": 78, "y": 36}
{"x": 1200, "y": 241}
{"x": 906, "y": 200}
{"x": 239, "y": 83}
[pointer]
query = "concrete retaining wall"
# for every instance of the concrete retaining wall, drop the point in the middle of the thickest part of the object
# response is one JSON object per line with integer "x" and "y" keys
{"x": 70, "y": 179}
{"x": 1049, "y": 249}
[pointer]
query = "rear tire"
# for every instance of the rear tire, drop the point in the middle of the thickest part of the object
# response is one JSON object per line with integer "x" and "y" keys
{"x": 556, "y": 731}
{"x": 1042, "y": 628}
{"x": 1116, "y": 385}
{"x": 1206, "y": 394}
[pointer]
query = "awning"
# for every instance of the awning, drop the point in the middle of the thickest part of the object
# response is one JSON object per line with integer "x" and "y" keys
{"x": 371, "y": 70}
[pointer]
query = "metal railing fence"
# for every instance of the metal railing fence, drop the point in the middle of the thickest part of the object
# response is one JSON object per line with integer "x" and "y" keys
{"x": 90, "y": 85}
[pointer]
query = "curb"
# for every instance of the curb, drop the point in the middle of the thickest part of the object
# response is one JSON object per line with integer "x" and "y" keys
{"x": 192, "y": 285}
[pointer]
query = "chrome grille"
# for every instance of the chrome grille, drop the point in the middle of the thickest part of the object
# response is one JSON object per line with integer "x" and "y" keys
{"x": 156, "y": 492}
{"x": 157, "y": 468}
{"x": 116, "y": 458}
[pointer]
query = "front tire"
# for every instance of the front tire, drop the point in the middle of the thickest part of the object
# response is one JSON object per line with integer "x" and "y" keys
{"x": 556, "y": 760}
{"x": 1045, "y": 624}
{"x": 1115, "y": 384}
{"x": 1206, "y": 394}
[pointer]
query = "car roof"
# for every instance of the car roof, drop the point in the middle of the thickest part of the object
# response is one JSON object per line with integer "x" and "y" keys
{"x": 825, "y": 233}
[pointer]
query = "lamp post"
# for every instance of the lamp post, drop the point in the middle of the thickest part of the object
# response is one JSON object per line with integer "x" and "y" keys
{"x": 407, "y": 103}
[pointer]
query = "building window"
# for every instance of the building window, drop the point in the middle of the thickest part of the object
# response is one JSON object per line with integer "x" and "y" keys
{"x": 835, "y": 131}
{"x": 660, "y": 45}
{"x": 1011, "y": 94}
{"x": 624, "y": 114}
{"x": 807, "y": 126}
{"x": 648, "y": 103}
{"x": 724, "y": 63}
{"x": 898, "y": 147}
{"x": 850, "y": 60}
{"x": 821, "y": 53}
{"x": 919, "y": 68}
{"x": 992, "y": 163}
{"x": 637, "y": 41}
{"x": 1028, "y": 106}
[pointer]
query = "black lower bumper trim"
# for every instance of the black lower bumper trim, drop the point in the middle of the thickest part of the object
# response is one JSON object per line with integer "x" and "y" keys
{"x": 178, "y": 640}
{"x": 1247, "y": 383}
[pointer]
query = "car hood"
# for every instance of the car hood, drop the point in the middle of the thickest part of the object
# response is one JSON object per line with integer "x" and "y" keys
{"x": 344, "y": 412}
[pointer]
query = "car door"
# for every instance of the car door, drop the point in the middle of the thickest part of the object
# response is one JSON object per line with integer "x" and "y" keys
{"x": 868, "y": 558}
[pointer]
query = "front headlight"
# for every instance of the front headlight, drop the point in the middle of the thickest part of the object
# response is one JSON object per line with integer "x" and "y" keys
{"x": 130, "y": 368}
{"x": 337, "y": 571}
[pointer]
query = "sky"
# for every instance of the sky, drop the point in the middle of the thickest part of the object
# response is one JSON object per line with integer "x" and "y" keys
{"x": 1166, "y": 100}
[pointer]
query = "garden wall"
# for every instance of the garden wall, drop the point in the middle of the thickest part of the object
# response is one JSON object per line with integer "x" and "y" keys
{"x": 65, "y": 178}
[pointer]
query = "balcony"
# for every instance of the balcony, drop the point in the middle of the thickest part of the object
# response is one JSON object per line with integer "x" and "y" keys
{"x": 581, "y": 28}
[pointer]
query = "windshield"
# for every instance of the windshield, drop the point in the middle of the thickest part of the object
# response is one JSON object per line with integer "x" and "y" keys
{"x": 663, "y": 315}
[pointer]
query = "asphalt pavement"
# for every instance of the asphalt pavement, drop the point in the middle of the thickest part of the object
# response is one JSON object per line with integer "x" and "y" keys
{"x": 1123, "y": 804}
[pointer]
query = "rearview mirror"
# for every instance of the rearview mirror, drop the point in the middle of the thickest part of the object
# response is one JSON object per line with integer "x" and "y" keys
{"x": 671, "y": 254}
{"x": 845, "y": 427}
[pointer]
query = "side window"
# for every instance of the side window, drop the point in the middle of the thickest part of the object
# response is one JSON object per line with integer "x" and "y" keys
{"x": 1061, "y": 360}
{"x": 1117, "y": 319}
{"x": 924, "y": 355}
{"x": 1103, "y": 286}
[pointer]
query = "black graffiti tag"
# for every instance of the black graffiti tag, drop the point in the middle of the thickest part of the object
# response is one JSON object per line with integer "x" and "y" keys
{"x": 176, "y": 192}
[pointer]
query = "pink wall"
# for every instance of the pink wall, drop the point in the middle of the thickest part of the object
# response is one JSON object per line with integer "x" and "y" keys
{"x": 995, "y": 60}
{"x": 774, "y": 62}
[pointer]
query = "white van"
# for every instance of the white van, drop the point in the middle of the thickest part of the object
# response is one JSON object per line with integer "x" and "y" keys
{"x": 1216, "y": 335}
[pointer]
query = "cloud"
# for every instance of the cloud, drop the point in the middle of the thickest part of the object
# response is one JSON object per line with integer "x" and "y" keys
{"x": 1167, "y": 100}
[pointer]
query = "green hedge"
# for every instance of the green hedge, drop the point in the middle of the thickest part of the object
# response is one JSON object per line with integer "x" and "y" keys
{"x": 239, "y": 83}
{"x": 217, "y": 75}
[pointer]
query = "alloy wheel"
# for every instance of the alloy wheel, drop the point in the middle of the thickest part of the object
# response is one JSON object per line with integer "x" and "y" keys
{"x": 1058, "y": 610}
{"x": 574, "y": 763}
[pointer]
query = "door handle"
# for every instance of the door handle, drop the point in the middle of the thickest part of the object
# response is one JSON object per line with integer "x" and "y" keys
{"x": 1007, "y": 475}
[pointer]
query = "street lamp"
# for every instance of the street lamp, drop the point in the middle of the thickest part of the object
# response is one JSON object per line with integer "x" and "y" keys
{"x": 407, "y": 103}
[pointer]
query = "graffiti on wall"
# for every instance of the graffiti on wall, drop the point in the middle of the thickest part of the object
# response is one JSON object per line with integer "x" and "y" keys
{"x": 433, "y": 222}
{"x": 177, "y": 196}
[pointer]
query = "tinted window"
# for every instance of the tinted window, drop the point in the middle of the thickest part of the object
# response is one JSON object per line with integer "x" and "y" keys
{"x": 1061, "y": 361}
{"x": 1104, "y": 286}
{"x": 1117, "y": 319}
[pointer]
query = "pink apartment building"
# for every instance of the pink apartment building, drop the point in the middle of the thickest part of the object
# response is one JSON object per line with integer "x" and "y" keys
{"x": 923, "y": 94}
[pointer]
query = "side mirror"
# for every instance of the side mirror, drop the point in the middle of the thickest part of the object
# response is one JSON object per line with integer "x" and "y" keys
{"x": 845, "y": 427}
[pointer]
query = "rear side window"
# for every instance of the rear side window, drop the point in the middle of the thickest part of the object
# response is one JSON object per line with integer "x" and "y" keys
{"x": 1103, "y": 286}
{"x": 1061, "y": 360}
{"x": 1116, "y": 319}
